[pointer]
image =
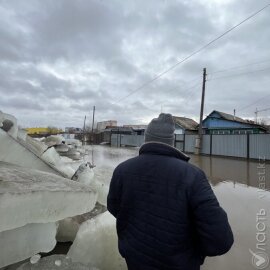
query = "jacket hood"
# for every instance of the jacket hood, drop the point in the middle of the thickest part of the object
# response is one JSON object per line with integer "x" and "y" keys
{"x": 157, "y": 148}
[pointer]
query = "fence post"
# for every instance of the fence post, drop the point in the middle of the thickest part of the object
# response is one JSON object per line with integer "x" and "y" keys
{"x": 117, "y": 135}
{"x": 211, "y": 140}
{"x": 248, "y": 145}
{"x": 184, "y": 141}
{"x": 111, "y": 138}
{"x": 120, "y": 141}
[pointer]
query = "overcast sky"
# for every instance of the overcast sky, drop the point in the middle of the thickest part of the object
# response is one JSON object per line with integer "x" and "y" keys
{"x": 58, "y": 58}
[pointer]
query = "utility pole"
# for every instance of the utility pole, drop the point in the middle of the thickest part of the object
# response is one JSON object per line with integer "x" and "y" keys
{"x": 257, "y": 111}
{"x": 199, "y": 139}
{"x": 93, "y": 121}
{"x": 256, "y": 116}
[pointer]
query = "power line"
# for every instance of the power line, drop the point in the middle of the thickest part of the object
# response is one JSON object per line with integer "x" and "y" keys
{"x": 194, "y": 53}
{"x": 256, "y": 101}
{"x": 239, "y": 67}
{"x": 187, "y": 90}
{"x": 239, "y": 74}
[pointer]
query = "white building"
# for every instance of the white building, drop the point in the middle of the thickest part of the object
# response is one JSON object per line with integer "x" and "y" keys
{"x": 102, "y": 125}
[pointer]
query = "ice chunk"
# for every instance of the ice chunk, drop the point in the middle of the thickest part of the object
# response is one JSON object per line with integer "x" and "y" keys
{"x": 72, "y": 153}
{"x": 22, "y": 134}
{"x": 96, "y": 244}
{"x": 53, "y": 140}
{"x": 18, "y": 148}
{"x": 69, "y": 227}
{"x": 21, "y": 243}
{"x": 9, "y": 124}
{"x": 61, "y": 148}
{"x": 85, "y": 175}
{"x": 58, "y": 262}
{"x": 55, "y": 262}
{"x": 102, "y": 190}
{"x": 34, "y": 259}
{"x": 74, "y": 142}
{"x": 23, "y": 153}
{"x": 31, "y": 196}
{"x": 52, "y": 157}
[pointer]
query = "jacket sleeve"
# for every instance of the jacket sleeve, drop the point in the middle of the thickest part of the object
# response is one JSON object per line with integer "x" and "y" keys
{"x": 213, "y": 230}
{"x": 114, "y": 195}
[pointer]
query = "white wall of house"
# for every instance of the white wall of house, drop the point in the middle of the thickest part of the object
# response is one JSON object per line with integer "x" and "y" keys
{"x": 179, "y": 130}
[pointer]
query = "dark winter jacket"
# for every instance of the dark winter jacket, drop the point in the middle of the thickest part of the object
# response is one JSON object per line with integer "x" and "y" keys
{"x": 168, "y": 217}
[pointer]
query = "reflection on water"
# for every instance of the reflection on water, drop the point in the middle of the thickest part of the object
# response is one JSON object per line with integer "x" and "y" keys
{"x": 241, "y": 187}
{"x": 234, "y": 170}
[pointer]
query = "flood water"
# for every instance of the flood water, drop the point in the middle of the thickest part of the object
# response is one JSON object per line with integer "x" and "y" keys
{"x": 242, "y": 188}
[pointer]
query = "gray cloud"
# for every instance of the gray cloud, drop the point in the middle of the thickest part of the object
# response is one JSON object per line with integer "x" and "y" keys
{"x": 59, "y": 58}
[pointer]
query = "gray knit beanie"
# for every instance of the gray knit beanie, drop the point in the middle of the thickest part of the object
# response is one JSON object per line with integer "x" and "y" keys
{"x": 161, "y": 129}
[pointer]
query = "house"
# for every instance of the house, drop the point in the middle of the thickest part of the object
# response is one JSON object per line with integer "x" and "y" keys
{"x": 104, "y": 124}
{"x": 138, "y": 129}
{"x": 43, "y": 130}
{"x": 73, "y": 130}
{"x": 223, "y": 123}
{"x": 184, "y": 125}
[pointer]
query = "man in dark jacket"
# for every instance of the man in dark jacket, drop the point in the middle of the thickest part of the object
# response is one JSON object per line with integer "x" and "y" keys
{"x": 167, "y": 216}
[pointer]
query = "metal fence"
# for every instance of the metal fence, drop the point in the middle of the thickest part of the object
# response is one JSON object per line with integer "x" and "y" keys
{"x": 119, "y": 140}
{"x": 252, "y": 146}
{"x": 259, "y": 146}
{"x": 229, "y": 145}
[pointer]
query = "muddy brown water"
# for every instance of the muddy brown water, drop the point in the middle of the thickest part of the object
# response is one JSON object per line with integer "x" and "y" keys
{"x": 242, "y": 188}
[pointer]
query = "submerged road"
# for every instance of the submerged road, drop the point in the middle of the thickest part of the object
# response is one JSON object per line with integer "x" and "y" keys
{"x": 242, "y": 188}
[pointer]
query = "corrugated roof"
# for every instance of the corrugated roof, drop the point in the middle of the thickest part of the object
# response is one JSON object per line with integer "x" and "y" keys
{"x": 186, "y": 123}
{"x": 231, "y": 117}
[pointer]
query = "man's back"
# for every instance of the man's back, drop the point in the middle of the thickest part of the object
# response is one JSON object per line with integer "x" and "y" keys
{"x": 167, "y": 214}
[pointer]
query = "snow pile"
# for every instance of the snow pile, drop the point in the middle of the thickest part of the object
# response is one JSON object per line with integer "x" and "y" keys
{"x": 31, "y": 202}
{"x": 55, "y": 262}
{"x": 96, "y": 244}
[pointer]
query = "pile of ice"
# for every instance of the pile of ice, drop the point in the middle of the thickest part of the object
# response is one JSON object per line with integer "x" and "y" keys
{"x": 70, "y": 148}
{"x": 38, "y": 208}
{"x": 18, "y": 148}
{"x": 96, "y": 244}
{"x": 55, "y": 262}
{"x": 69, "y": 227}
{"x": 31, "y": 202}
